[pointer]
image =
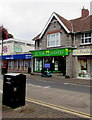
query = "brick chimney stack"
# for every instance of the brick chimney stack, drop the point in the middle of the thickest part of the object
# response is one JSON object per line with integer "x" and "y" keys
{"x": 84, "y": 12}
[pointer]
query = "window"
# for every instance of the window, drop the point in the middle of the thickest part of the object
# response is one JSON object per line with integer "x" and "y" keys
{"x": 38, "y": 64}
{"x": 29, "y": 44}
{"x": 16, "y": 42}
{"x": 21, "y": 43}
{"x": 10, "y": 41}
{"x": 53, "y": 40}
{"x": 86, "y": 38}
{"x": 26, "y": 65}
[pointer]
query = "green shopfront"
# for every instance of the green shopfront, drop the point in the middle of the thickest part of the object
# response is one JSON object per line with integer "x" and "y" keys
{"x": 53, "y": 59}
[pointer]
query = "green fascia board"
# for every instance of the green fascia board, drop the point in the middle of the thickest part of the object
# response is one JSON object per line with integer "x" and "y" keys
{"x": 50, "y": 52}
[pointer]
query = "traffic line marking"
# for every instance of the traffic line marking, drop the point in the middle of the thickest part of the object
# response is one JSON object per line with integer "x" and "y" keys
{"x": 39, "y": 86}
{"x": 78, "y": 84}
{"x": 70, "y": 83}
{"x": 59, "y": 108}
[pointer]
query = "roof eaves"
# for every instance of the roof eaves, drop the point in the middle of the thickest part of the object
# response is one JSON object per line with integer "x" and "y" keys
{"x": 61, "y": 22}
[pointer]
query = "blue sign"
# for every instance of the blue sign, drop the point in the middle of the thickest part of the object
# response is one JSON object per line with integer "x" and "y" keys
{"x": 18, "y": 56}
{"x": 47, "y": 65}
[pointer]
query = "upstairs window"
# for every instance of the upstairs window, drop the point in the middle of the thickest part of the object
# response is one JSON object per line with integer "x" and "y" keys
{"x": 86, "y": 38}
{"x": 53, "y": 40}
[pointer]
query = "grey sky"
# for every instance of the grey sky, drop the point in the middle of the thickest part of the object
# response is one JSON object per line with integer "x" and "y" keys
{"x": 26, "y": 18}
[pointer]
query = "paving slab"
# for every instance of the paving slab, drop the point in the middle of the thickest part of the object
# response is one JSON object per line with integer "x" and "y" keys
{"x": 32, "y": 110}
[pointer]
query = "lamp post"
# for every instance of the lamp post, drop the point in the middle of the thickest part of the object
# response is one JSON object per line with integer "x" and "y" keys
{"x": 1, "y": 50}
{"x": 2, "y": 57}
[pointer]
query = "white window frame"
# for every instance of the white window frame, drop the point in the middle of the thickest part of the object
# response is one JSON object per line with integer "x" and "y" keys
{"x": 54, "y": 40}
{"x": 84, "y": 38}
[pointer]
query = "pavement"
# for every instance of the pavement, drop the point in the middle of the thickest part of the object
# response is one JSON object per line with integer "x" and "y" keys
{"x": 36, "y": 111}
{"x": 32, "y": 110}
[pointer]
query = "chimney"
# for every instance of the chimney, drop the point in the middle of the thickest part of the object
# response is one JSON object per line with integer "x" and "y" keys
{"x": 84, "y": 12}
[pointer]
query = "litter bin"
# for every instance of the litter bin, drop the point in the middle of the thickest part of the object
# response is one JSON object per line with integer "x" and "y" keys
{"x": 14, "y": 87}
{"x": 29, "y": 70}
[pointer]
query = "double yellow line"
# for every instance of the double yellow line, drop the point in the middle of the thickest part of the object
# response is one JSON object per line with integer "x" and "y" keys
{"x": 70, "y": 111}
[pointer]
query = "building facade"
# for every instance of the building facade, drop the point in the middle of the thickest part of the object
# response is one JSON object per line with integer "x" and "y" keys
{"x": 16, "y": 54}
{"x": 58, "y": 45}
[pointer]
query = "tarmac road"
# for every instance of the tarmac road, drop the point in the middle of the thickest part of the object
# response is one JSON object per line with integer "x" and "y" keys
{"x": 60, "y": 85}
{"x": 62, "y": 94}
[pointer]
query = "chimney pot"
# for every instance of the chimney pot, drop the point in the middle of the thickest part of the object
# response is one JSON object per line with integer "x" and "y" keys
{"x": 84, "y": 12}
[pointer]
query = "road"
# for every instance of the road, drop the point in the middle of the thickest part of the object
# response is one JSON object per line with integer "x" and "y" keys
{"x": 60, "y": 85}
{"x": 59, "y": 94}
{"x": 62, "y": 94}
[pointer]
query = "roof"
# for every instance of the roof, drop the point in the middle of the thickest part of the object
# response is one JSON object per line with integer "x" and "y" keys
{"x": 36, "y": 37}
{"x": 71, "y": 26}
{"x": 17, "y": 40}
{"x": 80, "y": 25}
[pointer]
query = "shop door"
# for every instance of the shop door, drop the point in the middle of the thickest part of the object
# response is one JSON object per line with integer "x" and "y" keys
{"x": 62, "y": 65}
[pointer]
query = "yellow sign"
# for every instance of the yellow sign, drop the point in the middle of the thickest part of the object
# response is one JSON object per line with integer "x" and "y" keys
{"x": 47, "y": 51}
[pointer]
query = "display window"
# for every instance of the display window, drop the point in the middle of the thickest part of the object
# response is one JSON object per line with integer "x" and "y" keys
{"x": 38, "y": 64}
{"x": 56, "y": 65}
{"x": 16, "y": 64}
{"x": 21, "y": 65}
{"x": 83, "y": 64}
{"x": 26, "y": 65}
{"x": 10, "y": 65}
{"x": 84, "y": 67}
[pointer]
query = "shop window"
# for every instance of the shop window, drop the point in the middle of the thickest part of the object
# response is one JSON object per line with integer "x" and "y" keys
{"x": 56, "y": 65}
{"x": 53, "y": 40}
{"x": 12, "y": 65}
{"x": 15, "y": 65}
{"x": 26, "y": 65}
{"x": 38, "y": 64}
{"x": 83, "y": 64}
{"x": 20, "y": 64}
{"x": 83, "y": 69}
{"x": 86, "y": 38}
{"x": 9, "y": 65}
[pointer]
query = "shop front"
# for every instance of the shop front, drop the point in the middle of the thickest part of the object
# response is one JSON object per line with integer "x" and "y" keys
{"x": 53, "y": 59}
{"x": 84, "y": 59}
{"x": 18, "y": 62}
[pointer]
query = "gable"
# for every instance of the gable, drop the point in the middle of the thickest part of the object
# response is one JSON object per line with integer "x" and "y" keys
{"x": 61, "y": 21}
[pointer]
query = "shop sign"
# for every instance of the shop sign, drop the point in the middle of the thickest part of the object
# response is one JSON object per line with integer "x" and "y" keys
{"x": 54, "y": 52}
{"x": 14, "y": 57}
{"x": 82, "y": 52}
{"x": 17, "y": 49}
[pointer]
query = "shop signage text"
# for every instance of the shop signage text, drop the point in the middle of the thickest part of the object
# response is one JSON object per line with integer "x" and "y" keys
{"x": 54, "y": 52}
{"x": 19, "y": 56}
{"x": 82, "y": 52}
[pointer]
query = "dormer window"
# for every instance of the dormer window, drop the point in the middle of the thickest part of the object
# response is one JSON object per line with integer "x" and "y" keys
{"x": 53, "y": 40}
{"x": 86, "y": 38}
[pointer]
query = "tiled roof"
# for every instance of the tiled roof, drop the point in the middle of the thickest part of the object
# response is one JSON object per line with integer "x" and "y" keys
{"x": 66, "y": 22}
{"x": 35, "y": 38}
{"x": 75, "y": 25}
{"x": 80, "y": 25}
